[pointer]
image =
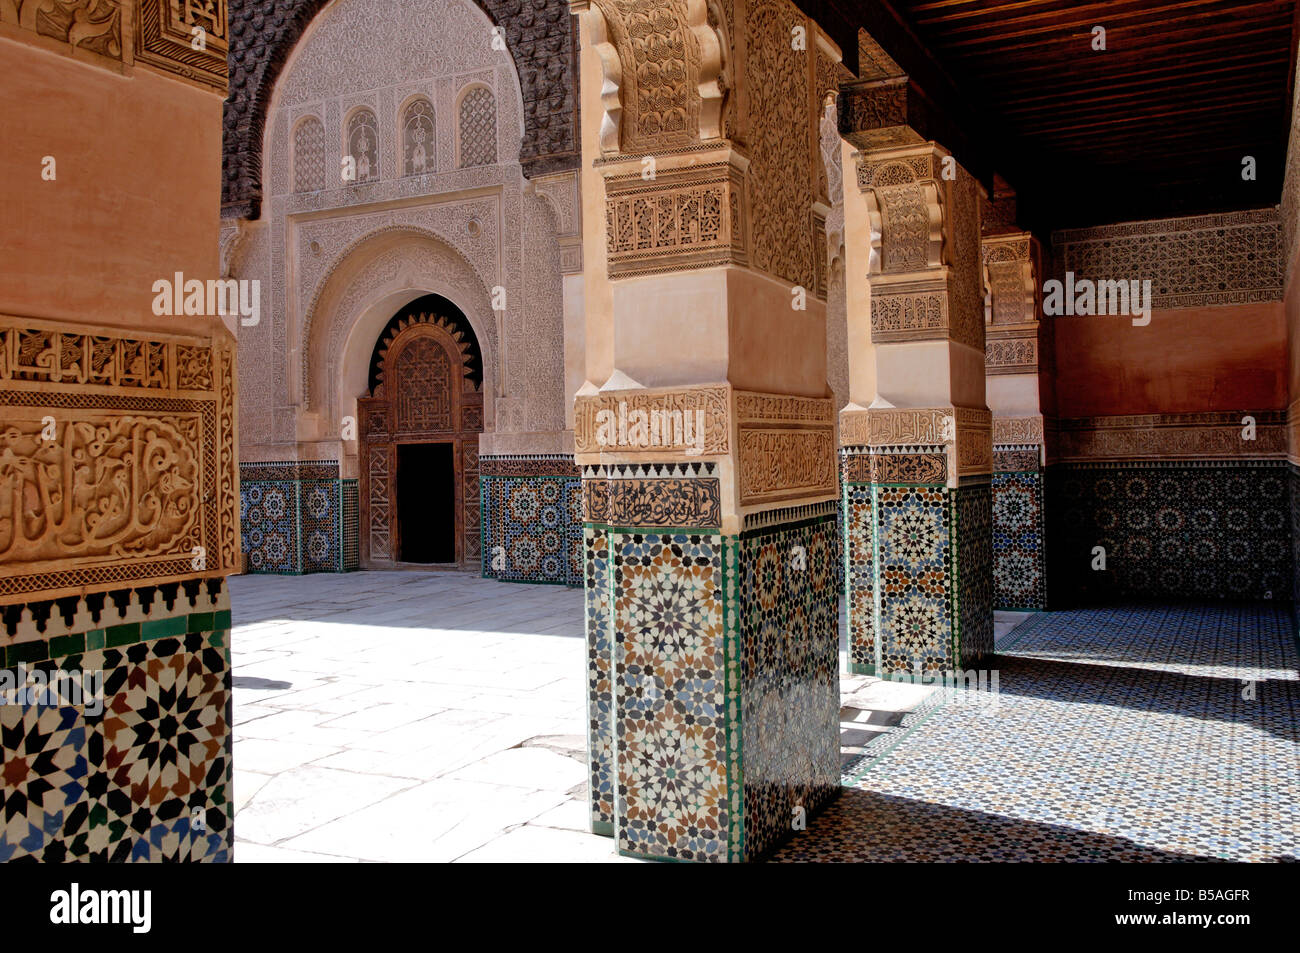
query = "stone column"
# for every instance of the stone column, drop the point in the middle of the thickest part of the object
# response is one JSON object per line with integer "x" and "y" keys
{"x": 1017, "y": 358}
{"x": 917, "y": 441}
{"x": 705, "y": 432}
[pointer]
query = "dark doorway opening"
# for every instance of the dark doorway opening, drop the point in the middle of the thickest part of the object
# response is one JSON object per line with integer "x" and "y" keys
{"x": 426, "y": 503}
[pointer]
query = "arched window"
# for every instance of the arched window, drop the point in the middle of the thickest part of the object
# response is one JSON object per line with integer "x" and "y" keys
{"x": 309, "y": 156}
{"x": 363, "y": 145}
{"x": 417, "y": 138}
{"x": 478, "y": 127}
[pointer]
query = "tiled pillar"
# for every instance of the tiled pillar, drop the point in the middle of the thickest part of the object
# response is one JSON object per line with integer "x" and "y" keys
{"x": 119, "y": 483}
{"x": 86, "y": 778}
{"x": 705, "y": 434}
{"x": 1018, "y": 364}
{"x": 916, "y": 433}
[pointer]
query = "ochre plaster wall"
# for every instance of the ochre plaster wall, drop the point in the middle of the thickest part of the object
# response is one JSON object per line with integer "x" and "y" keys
{"x": 89, "y": 245}
{"x": 1194, "y": 360}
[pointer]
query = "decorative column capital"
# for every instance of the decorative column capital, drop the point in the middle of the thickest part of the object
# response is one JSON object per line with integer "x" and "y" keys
{"x": 923, "y": 212}
{"x": 661, "y": 65}
{"x": 1012, "y": 282}
{"x": 919, "y": 444}
{"x": 709, "y": 136}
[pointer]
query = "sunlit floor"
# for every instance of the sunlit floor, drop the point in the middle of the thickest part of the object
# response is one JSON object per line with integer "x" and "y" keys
{"x": 408, "y": 716}
{"x": 426, "y": 716}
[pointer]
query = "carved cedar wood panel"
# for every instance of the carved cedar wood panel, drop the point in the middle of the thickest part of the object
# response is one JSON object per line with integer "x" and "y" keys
{"x": 424, "y": 395}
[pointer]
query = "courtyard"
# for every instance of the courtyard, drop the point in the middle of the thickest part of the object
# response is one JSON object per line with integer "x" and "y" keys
{"x": 437, "y": 716}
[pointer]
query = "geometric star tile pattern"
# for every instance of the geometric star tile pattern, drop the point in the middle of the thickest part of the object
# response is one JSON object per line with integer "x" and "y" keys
{"x": 719, "y": 693}
{"x": 789, "y": 680}
{"x": 298, "y": 518}
{"x": 1140, "y": 733}
{"x": 1019, "y": 575}
{"x": 532, "y": 529}
{"x": 919, "y": 578}
{"x": 1169, "y": 530}
{"x": 671, "y": 728}
{"x": 138, "y": 772}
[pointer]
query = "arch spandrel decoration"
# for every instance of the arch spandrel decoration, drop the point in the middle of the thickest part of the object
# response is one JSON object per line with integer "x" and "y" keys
{"x": 423, "y": 392}
{"x": 373, "y": 265}
{"x": 540, "y": 37}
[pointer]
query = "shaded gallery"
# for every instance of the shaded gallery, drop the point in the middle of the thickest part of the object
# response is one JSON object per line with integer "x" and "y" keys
{"x": 825, "y": 347}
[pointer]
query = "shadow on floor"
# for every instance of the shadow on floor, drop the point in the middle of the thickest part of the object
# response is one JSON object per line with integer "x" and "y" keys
{"x": 868, "y": 827}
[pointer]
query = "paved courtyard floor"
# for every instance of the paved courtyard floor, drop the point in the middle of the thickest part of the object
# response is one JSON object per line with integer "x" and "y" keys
{"x": 427, "y": 716}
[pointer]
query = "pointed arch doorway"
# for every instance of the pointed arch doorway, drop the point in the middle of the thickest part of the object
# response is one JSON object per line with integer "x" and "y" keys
{"x": 420, "y": 423}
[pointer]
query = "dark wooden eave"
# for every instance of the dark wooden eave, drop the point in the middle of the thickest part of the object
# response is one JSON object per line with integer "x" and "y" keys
{"x": 1156, "y": 125}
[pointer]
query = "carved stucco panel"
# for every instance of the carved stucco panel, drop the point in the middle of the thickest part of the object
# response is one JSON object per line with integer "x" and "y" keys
{"x": 542, "y": 331}
{"x": 117, "y": 458}
{"x": 783, "y": 114}
{"x": 471, "y": 227}
{"x": 397, "y": 267}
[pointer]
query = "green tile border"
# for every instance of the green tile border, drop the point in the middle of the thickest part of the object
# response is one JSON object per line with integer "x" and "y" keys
{"x": 215, "y": 625}
{"x": 160, "y": 628}
{"x": 733, "y": 724}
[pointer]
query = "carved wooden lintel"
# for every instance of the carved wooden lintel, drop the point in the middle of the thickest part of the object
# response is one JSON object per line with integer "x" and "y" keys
{"x": 187, "y": 38}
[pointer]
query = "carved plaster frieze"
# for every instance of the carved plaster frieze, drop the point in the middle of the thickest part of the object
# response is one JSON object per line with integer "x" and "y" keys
{"x": 1018, "y": 430}
{"x": 757, "y": 408}
{"x": 667, "y": 502}
{"x": 1259, "y": 435}
{"x": 787, "y": 447}
{"x": 965, "y": 433}
{"x": 1016, "y": 354}
{"x": 679, "y": 220}
{"x": 896, "y": 427}
{"x": 974, "y": 441}
{"x": 1192, "y": 262}
{"x": 916, "y": 312}
{"x": 118, "y": 458}
{"x": 897, "y": 465}
{"x": 90, "y": 26}
{"x": 692, "y": 421}
{"x": 780, "y": 465}
{"x": 784, "y": 443}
